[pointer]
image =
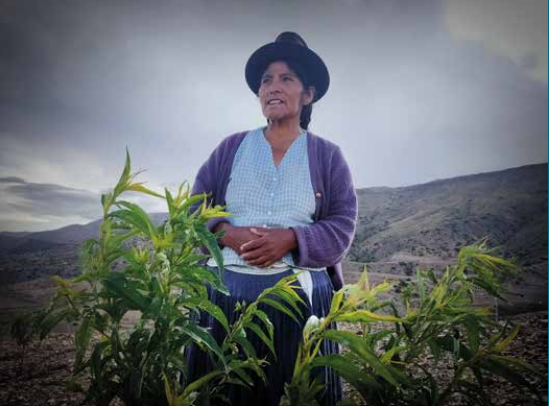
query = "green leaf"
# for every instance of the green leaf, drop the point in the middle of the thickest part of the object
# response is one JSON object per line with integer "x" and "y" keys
{"x": 136, "y": 216}
{"x": 201, "y": 274}
{"x": 291, "y": 298}
{"x": 266, "y": 321}
{"x": 196, "y": 385}
{"x": 497, "y": 367}
{"x": 365, "y": 316}
{"x": 486, "y": 286}
{"x": 253, "y": 364}
{"x": 361, "y": 381}
{"x": 118, "y": 239}
{"x": 192, "y": 201}
{"x": 138, "y": 187}
{"x": 247, "y": 347}
{"x": 421, "y": 287}
{"x": 279, "y": 306}
{"x": 268, "y": 342}
{"x": 435, "y": 349}
{"x": 215, "y": 312}
{"x": 82, "y": 338}
{"x": 210, "y": 242}
{"x": 204, "y": 339}
{"x": 241, "y": 372}
{"x": 124, "y": 178}
{"x": 170, "y": 202}
{"x": 358, "y": 346}
{"x": 96, "y": 360}
{"x": 504, "y": 344}
{"x": 48, "y": 323}
{"x": 124, "y": 289}
{"x": 473, "y": 332}
{"x": 336, "y": 301}
{"x": 518, "y": 363}
{"x": 170, "y": 395}
{"x": 387, "y": 357}
{"x": 243, "y": 376}
{"x": 136, "y": 383}
{"x": 373, "y": 338}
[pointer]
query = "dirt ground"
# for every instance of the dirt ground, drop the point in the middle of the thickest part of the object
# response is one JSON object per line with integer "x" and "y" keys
{"x": 39, "y": 376}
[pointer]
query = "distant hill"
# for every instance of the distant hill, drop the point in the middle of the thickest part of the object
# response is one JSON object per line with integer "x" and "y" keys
{"x": 26, "y": 256}
{"x": 430, "y": 222}
{"x": 398, "y": 228}
{"x": 74, "y": 234}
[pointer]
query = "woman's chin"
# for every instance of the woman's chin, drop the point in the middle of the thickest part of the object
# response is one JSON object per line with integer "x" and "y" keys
{"x": 278, "y": 117}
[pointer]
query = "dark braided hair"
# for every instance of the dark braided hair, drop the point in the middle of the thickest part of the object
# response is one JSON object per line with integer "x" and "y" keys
{"x": 306, "y": 111}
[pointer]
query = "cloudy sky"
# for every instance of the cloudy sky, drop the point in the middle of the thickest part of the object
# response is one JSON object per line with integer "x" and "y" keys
{"x": 420, "y": 90}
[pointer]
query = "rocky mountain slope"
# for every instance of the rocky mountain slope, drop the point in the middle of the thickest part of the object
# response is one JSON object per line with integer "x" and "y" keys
{"x": 398, "y": 228}
{"x": 431, "y": 221}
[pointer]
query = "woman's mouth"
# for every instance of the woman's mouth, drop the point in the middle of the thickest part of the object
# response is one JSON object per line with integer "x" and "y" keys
{"x": 274, "y": 102}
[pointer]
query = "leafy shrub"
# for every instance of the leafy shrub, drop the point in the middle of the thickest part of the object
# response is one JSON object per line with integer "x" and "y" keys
{"x": 155, "y": 271}
{"x": 437, "y": 319}
{"x": 158, "y": 276}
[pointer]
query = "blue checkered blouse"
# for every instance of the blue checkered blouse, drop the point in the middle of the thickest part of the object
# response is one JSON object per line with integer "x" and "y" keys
{"x": 262, "y": 194}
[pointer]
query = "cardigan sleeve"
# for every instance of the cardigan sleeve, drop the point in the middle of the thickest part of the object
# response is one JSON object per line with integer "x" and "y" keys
{"x": 206, "y": 182}
{"x": 326, "y": 242}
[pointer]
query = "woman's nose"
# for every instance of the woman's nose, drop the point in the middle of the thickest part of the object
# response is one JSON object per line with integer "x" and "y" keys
{"x": 274, "y": 86}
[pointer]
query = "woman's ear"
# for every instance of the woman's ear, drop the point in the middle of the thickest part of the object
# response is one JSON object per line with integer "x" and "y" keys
{"x": 309, "y": 95}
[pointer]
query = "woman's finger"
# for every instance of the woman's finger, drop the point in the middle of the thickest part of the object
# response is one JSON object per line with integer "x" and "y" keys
{"x": 268, "y": 260}
{"x": 258, "y": 231}
{"x": 252, "y": 245}
{"x": 260, "y": 261}
{"x": 253, "y": 254}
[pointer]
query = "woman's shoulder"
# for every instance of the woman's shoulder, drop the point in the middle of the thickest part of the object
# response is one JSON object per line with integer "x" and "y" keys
{"x": 229, "y": 144}
{"x": 328, "y": 154}
{"x": 233, "y": 139}
{"x": 323, "y": 145}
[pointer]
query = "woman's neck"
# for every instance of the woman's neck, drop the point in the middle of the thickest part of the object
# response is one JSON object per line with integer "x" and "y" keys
{"x": 281, "y": 132}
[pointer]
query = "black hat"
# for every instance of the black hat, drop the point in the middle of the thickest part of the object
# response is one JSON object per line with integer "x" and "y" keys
{"x": 288, "y": 46}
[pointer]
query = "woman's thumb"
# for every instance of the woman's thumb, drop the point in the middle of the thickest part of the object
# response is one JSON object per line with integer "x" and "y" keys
{"x": 257, "y": 232}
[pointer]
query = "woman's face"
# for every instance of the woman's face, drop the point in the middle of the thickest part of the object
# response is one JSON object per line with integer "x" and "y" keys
{"x": 281, "y": 93}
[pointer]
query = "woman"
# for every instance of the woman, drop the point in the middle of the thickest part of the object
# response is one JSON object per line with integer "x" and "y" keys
{"x": 293, "y": 204}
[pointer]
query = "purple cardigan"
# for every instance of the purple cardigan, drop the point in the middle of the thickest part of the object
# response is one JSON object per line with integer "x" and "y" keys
{"x": 321, "y": 244}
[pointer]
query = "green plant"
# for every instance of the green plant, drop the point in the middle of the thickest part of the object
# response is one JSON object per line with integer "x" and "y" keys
{"x": 163, "y": 287}
{"x": 23, "y": 330}
{"x": 437, "y": 319}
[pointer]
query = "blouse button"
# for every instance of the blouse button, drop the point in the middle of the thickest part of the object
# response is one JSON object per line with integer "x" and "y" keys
{"x": 318, "y": 194}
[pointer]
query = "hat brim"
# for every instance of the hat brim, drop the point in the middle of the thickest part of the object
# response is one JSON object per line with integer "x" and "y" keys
{"x": 314, "y": 66}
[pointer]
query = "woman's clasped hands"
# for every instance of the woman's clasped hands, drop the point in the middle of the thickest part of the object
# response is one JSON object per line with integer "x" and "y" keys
{"x": 258, "y": 246}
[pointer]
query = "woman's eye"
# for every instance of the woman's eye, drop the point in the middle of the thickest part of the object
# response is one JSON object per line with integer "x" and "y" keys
{"x": 287, "y": 78}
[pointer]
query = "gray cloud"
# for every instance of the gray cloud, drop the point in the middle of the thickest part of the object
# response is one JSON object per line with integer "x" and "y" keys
{"x": 411, "y": 100}
{"x": 38, "y": 206}
{"x": 12, "y": 179}
{"x": 515, "y": 29}
{"x": 55, "y": 200}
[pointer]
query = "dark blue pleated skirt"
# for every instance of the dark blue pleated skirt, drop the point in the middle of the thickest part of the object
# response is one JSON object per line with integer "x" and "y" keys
{"x": 287, "y": 336}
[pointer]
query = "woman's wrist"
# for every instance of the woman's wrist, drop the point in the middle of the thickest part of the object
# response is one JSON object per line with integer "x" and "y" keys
{"x": 223, "y": 226}
{"x": 291, "y": 239}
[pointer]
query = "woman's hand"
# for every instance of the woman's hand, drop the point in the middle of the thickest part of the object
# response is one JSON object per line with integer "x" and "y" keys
{"x": 235, "y": 236}
{"x": 269, "y": 246}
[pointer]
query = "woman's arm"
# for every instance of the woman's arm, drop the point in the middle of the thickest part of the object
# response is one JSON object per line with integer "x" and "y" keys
{"x": 270, "y": 245}
{"x": 234, "y": 236}
{"x": 321, "y": 244}
{"x": 206, "y": 182}
{"x": 326, "y": 242}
